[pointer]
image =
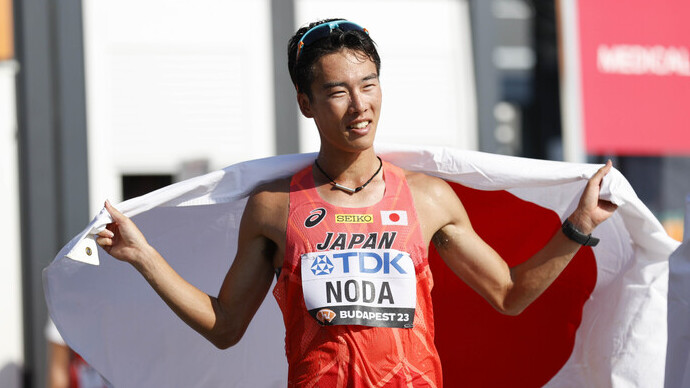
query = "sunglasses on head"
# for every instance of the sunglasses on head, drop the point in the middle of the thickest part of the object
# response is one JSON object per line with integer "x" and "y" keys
{"x": 323, "y": 30}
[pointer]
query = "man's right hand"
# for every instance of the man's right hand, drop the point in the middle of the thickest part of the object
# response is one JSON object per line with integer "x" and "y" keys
{"x": 122, "y": 239}
{"x": 223, "y": 319}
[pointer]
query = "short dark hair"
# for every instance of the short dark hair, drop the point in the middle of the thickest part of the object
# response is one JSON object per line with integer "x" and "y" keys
{"x": 302, "y": 68}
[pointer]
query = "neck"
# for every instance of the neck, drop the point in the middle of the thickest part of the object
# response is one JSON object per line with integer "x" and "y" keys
{"x": 349, "y": 169}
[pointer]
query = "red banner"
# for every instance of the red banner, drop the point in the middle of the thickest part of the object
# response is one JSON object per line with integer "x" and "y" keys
{"x": 635, "y": 63}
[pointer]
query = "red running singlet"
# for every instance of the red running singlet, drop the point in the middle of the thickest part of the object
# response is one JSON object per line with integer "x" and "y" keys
{"x": 355, "y": 291}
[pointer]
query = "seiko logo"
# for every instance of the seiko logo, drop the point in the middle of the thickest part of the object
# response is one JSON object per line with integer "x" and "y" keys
{"x": 315, "y": 217}
{"x": 354, "y": 218}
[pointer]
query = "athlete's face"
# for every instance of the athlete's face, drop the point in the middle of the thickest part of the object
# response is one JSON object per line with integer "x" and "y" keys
{"x": 346, "y": 101}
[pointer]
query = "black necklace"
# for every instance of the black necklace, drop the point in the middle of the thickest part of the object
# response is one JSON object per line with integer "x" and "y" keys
{"x": 345, "y": 188}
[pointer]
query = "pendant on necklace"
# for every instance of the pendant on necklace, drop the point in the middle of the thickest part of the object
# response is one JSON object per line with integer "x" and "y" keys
{"x": 345, "y": 188}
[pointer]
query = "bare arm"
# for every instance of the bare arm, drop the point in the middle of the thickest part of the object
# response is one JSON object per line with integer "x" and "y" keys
{"x": 58, "y": 365}
{"x": 223, "y": 319}
{"x": 509, "y": 290}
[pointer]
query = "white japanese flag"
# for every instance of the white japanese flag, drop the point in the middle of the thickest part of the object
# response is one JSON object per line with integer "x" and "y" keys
{"x": 604, "y": 320}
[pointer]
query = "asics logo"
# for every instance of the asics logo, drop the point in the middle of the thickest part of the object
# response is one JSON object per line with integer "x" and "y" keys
{"x": 315, "y": 217}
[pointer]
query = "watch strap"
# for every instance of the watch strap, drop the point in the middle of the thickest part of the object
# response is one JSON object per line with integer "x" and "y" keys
{"x": 574, "y": 234}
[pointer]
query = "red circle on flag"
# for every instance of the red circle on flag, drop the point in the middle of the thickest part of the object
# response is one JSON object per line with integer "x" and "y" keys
{"x": 531, "y": 347}
{"x": 395, "y": 217}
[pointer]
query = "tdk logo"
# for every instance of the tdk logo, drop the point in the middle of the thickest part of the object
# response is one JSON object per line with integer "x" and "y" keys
{"x": 359, "y": 262}
{"x": 322, "y": 265}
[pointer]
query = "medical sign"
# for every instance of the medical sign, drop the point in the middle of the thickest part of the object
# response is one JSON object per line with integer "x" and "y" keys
{"x": 635, "y": 72}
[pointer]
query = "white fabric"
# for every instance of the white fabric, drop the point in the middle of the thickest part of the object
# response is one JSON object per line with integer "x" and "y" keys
{"x": 52, "y": 334}
{"x": 109, "y": 314}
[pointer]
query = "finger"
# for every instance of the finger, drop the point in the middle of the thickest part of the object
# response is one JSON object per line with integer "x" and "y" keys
{"x": 607, "y": 205}
{"x": 114, "y": 213}
{"x": 104, "y": 241}
{"x": 106, "y": 233}
{"x": 598, "y": 177}
{"x": 605, "y": 169}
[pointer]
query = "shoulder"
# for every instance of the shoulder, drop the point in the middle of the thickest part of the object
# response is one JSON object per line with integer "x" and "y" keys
{"x": 436, "y": 203}
{"x": 270, "y": 197}
{"x": 428, "y": 187}
{"x": 267, "y": 208}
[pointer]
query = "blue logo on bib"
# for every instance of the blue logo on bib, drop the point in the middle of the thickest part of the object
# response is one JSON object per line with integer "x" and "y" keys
{"x": 322, "y": 265}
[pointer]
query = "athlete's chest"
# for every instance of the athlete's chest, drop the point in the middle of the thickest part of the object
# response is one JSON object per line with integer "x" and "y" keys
{"x": 387, "y": 220}
{"x": 356, "y": 265}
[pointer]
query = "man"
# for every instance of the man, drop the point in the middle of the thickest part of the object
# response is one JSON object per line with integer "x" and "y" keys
{"x": 348, "y": 240}
{"x": 66, "y": 368}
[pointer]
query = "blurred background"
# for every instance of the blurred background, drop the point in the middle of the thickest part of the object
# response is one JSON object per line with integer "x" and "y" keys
{"x": 112, "y": 99}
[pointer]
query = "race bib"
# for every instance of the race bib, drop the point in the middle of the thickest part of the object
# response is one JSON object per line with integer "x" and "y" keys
{"x": 370, "y": 287}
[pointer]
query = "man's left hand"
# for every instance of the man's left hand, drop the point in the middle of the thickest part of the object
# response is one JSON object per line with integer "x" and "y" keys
{"x": 592, "y": 210}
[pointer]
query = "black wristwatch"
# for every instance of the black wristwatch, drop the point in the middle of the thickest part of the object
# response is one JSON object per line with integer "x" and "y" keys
{"x": 572, "y": 233}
